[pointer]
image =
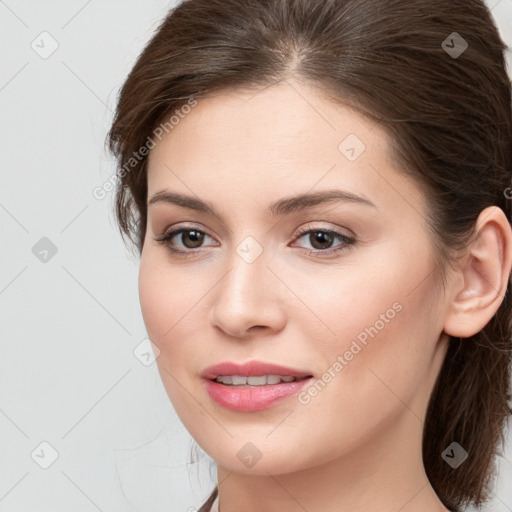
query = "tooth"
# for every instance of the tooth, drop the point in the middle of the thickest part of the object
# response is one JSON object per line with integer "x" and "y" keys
{"x": 239, "y": 380}
{"x": 257, "y": 381}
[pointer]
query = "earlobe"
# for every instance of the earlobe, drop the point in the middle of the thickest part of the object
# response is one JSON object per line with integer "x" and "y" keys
{"x": 485, "y": 272}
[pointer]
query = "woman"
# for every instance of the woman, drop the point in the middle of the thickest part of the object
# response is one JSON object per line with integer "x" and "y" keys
{"x": 318, "y": 193}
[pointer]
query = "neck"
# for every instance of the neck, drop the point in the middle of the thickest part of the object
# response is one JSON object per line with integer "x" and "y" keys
{"x": 385, "y": 473}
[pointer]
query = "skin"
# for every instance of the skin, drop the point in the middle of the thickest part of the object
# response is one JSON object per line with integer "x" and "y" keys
{"x": 357, "y": 444}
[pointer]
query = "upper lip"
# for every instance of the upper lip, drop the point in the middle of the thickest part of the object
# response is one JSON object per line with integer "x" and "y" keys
{"x": 251, "y": 369}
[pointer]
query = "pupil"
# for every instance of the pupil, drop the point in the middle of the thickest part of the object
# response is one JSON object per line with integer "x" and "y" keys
{"x": 196, "y": 238}
{"x": 320, "y": 237}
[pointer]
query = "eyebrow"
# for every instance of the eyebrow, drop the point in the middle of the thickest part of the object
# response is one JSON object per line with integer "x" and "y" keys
{"x": 284, "y": 206}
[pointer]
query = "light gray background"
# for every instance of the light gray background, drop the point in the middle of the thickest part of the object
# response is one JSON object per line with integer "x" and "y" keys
{"x": 68, "y": 373}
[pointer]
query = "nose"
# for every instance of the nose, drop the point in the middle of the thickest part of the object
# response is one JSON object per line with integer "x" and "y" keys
{"x": 248, "y": 300}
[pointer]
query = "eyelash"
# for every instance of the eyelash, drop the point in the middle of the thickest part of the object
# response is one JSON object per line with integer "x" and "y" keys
{"x": 348, "y": 242}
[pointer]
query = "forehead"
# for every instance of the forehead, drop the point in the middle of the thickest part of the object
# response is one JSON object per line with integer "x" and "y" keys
{"x": 271, "y": 121}
{"x": 274, "y": 141}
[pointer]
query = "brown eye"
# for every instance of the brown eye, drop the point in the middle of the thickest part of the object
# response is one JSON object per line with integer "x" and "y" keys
{"x": 195, "y": 237}
{"x": 320, "y": 239}
{"x": 322, "y": 242}
{"x": 183, "y": 240}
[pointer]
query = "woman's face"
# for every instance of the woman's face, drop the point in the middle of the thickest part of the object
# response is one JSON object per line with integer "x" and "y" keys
{"x": 341, "y": 290}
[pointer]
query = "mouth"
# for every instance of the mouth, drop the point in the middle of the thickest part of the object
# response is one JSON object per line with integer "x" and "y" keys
{"x": 243, "y": 381}
{"x": 252, "y": 386}
{"x": 259, "y": 369}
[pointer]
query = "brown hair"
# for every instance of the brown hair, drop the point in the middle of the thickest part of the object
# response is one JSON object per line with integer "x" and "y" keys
{"x": 450, "y": 120}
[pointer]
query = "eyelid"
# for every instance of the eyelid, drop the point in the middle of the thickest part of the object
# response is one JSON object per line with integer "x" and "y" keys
{"x": 312, "y": 226}
{"x": 175, "y": 229}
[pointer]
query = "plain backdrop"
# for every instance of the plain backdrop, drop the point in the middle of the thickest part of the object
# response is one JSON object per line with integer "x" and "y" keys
{"x": 85, "y": 423}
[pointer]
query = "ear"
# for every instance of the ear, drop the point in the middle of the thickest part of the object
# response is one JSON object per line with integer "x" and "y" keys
{"x": 484, "y": 272}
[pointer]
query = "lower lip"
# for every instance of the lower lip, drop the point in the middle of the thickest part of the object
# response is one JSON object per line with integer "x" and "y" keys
{"x": 256, "y": 398}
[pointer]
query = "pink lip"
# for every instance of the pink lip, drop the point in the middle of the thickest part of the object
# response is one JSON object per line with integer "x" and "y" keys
{"x": 251, "y": 369}
{"x": 246, "y": 399}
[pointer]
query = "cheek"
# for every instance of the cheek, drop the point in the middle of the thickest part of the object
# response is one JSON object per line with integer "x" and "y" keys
{"x": 358, "y": 300}
{"x": 381, "y": 335}
{"x": 155, "y": 298}
{"x": 167, "y": 297}
{"x": 165, "y": 300}
{"x": 377, "y": 366}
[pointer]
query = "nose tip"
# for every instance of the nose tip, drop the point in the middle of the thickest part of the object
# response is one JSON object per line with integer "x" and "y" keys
{"x": 242, "y": 314}
{"x": 246, "y": 301}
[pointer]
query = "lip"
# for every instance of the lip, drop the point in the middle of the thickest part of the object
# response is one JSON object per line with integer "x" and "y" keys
{"x": 252, "y": 369}
{"x": 255, "y": 398}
